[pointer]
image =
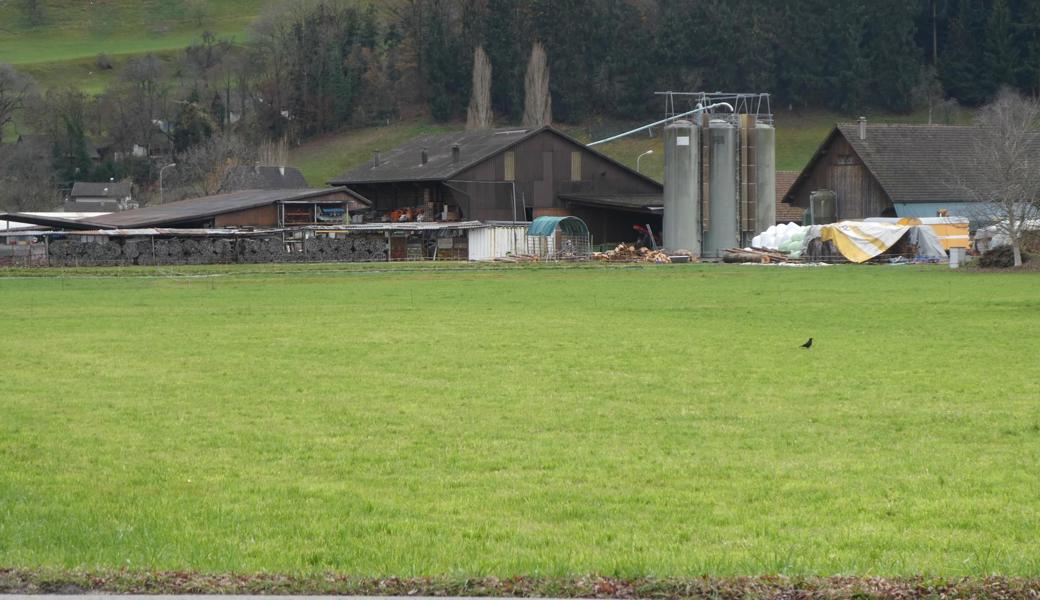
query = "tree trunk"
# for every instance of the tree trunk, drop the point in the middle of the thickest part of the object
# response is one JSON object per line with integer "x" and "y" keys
{"x": 479, "y": 115}
{"x": 537, "y": 99}
{"x": 1016, "y": 250}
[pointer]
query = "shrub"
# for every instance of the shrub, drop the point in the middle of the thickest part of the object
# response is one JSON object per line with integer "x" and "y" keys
{"x": 1001, "y": 257}
{"x": 103, "y": 62}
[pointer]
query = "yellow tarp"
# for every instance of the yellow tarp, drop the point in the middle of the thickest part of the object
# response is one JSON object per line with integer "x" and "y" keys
{"x": 860, "y": 241}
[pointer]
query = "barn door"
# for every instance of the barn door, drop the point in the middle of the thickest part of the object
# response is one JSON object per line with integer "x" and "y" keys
{"x": 543, "y": 188}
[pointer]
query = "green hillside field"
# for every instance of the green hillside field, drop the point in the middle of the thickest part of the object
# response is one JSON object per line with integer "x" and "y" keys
{"x": 475, "y": 421}
{"x": 73, "y": 30}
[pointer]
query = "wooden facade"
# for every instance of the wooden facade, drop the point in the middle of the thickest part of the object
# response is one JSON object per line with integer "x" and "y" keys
{"x": 539, "y": 169}
{"x": 841, "y": 170}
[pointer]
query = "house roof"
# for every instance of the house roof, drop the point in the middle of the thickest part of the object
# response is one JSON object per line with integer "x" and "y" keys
{"x": 90, "y": 189}
{"x": 787, "y": 213}
{"x": 404, "y": 163}
{"x": 912, "y": 163}
{"x": 263, "y": 178}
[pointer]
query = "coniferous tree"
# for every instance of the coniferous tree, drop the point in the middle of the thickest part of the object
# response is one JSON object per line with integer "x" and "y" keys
{"x": 1001, "y": 51}
{"x": 963, "y": 72}
{"x": 893, "y": 55}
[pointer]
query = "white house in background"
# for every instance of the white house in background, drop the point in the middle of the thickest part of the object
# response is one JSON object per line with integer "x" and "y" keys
{"x": 100, "y": 197}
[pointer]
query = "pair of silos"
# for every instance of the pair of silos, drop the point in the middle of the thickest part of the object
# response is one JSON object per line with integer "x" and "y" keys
{"x": 724, "y": 222}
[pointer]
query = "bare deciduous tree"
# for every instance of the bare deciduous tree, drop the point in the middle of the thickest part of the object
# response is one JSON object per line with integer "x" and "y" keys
{"x": 1006, "y": 182}
{"x": 537, "y": 99}
{"x": 15, "y": 88}
{"x": 202, "y": 170}
{"x": 479, "y": 114}
{"x": 141, "y": 97}
{"x": 27, "y": 178}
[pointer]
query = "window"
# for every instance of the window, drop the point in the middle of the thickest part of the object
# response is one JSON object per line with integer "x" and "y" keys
{"x": 510, "y": 170}
{"x": 575, "y": 166}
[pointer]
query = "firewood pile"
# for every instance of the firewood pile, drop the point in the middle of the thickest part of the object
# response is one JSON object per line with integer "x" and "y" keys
{"x": 518, "y": 258}
{"x": 629, "y": 253}
{"x": 755, "y": 255}
{"x": 214, "y": 250}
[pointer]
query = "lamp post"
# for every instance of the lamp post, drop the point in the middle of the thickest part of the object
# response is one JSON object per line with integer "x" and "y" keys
{"x": 160, "y": 180}
{"x": 640, "y": 157}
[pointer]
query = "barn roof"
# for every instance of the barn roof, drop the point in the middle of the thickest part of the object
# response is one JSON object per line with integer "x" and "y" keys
{"x": 404, "y": 163}
{"x": 187, "y": 211}
{"x": 912, "y": 163}
{"x": 205, "y": 207}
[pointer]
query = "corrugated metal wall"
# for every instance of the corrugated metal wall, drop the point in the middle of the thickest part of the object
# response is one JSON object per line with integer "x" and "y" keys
{"x": 489, "y": 243}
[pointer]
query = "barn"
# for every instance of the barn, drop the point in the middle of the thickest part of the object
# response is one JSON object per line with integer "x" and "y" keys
{"x": 507, "y": 175}
{"x": 868, "y": 170}
{"x": 246, "y": 208}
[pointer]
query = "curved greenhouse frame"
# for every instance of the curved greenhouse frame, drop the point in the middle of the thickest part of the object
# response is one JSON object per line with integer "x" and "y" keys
{"x": 559, "y": 238}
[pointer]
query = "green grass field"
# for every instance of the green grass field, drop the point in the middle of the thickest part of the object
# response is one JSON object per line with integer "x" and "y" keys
{"x": 73, "y": 30}
{"x": 620, "y": 421}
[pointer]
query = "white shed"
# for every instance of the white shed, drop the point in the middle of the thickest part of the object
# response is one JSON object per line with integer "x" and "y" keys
{"x": 497, "y": 239}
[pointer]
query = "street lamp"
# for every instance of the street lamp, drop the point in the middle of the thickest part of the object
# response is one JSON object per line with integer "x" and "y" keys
{"x": 640, "y": 157}
{"x": 160, "y": 180}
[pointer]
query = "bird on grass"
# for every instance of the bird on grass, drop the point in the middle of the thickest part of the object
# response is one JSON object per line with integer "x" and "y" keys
{"x": 808, "y": 344}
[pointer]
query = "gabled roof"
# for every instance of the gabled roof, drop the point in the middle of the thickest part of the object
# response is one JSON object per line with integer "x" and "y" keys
{"x": 263, "y": 178}
{"x": 912, "y": 163}
{"x": 404, "y": 163}
{"x": 89, "y": 189}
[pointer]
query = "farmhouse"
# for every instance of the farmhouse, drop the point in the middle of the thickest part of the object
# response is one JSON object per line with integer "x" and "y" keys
{"x": 100, "y": 197}
{"x": 864, "y": 170}
{"x": 507, "y": 175}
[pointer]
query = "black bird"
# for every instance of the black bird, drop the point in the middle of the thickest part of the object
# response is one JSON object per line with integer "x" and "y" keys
{"x": 808, "y": 344}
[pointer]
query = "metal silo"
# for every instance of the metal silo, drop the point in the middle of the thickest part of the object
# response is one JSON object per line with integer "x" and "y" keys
{"x": 765, "y": 163}
{"x": 682, "y": 222}
{"x": 723, "y": 226}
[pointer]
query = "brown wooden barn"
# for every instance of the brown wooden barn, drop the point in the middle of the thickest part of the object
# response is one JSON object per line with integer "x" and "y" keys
{"x": 509, "y": 175}
{"x": 889, "y": 171}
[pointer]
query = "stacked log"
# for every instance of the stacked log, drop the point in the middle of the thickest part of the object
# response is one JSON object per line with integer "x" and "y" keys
{"x": 629, "y": 253}
{"x": 214, "y": 250}
{"x": 755, "y": 255}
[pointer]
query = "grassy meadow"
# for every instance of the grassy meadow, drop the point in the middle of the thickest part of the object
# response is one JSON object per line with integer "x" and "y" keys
{"x": 472, "y": 421}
